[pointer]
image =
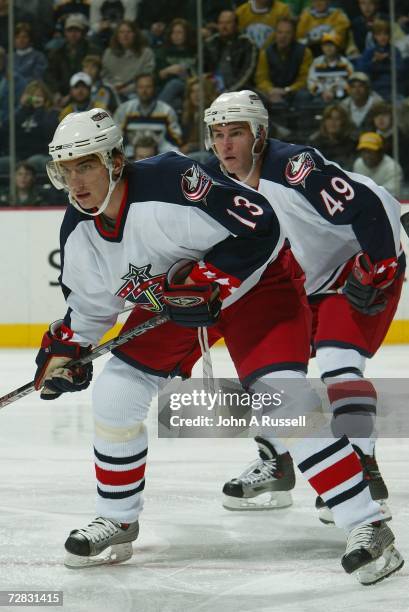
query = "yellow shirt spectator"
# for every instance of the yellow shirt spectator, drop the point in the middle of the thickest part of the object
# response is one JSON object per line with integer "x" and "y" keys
{"x": 321, "y": 18}
{"x": 258, "y": 18}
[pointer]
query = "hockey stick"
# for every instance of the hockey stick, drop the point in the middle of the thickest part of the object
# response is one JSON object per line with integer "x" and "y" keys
{"x": 106, "y": 347}
{"x": 405, "y": 222}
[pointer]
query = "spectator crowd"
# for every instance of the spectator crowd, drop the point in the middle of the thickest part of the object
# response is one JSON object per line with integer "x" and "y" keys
{"x": 322, "y": 68}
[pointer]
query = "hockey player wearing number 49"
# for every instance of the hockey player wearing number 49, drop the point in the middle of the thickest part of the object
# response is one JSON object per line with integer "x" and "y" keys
{"x": 344, "y": 230}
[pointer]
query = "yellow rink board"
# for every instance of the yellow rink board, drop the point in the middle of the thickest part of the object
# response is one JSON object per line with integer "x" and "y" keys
{"x": 21, "y": 335}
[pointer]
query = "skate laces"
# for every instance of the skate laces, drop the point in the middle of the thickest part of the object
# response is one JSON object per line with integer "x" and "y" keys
{"x": 99, "y": 529}
{"x": 360, "y": 537}
{"x": 259, "y": 471}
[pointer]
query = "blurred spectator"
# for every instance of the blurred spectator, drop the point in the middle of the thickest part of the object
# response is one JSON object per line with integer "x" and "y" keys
{"x": 361, "y": 26}
{"x": 36, "y": 122}
{"x": 381, "y": 121}
{"x": 329, "y": 73}
{"x": 28, "y": 62}
{"x": 40, "y": 15}
{"x": 230, "y": 57}
{"x": 4, "y": 23}
{"x": 335, "y": 137}
{"x": 102, "y": 94}
{"x": 258, "y": 18}
{"x": 283, "y": 66}
{"x": 66, "y": 8}
{"x": 19, "y": 85}
{"x": 318, "y": 19}
{"x": 376, "y": 61}
{"x": 175, "y": 62}
{"x": 67, "y": 60}
{"x": 145, "y": 146}
{"x": 127, "y": 56}
{"x": 211, "y": 10}
{"x": 106, "y": 15}
{"x": 374, "y": 163}
{"x": 80, "y": 95}
{"x": 27, "y": 192}
{"x": 191, "y": 113}
{"x": 360, "y": 99}
{"x": 153, "y": 17}
{"x": 147, "y": 116}
{"x": 402, "y": 14}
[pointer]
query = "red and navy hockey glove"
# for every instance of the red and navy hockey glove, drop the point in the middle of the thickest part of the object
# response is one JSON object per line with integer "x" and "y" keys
{"x": 196, "y": 305}
{"x": 366, "y": 282}
{"x": 56, "y": 351}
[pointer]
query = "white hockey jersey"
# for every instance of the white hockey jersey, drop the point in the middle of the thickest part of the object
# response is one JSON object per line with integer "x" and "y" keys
{"x": 327, "y": 214}
{"x": 172, "y": 210}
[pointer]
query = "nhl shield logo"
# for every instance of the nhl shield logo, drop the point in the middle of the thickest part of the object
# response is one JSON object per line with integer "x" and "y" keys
{"x": 196, "y": 184}
{"x": 298, "y": 168}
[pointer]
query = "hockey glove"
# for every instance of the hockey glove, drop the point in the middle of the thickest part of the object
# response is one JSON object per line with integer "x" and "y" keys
{"x": 193, "y": 305}
{"x": 366, "y": 282}
{"x": 57, "y": 349}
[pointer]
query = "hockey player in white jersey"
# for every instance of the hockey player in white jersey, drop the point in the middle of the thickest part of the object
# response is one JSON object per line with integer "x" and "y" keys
{"x": 122, "y": 239}
{"x": 345, "y": 232}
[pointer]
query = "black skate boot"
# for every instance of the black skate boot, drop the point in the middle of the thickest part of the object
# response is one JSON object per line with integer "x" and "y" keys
{"x": 84, "y": 546}
{"x": 265, "y": 484}
{"x": 371, "y": 554}
{"x": 377, "y": 488}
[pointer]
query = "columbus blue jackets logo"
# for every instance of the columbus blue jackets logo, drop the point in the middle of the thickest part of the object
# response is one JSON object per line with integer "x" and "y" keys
{"x": 298, "y": 168}
{"x": 196, "y": 184}
{"x": 142, "y": 288}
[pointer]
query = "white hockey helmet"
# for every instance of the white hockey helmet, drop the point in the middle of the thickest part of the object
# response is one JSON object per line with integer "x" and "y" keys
{"x": 236, "y": 106}
{"x": 92, "y": 132}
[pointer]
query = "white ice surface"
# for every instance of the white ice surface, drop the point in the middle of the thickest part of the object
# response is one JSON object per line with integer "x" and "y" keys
{"x": 192, "y": 555}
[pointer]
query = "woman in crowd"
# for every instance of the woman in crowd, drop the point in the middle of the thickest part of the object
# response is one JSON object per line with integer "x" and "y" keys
{"x": 335, "y": 137}
{"x": 191, "y": 114}
{"x": 126, "y": 57}
{"x": 175, "y": 62}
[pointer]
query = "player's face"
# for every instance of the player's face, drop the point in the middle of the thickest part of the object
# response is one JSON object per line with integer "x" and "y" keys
{"x": 87, "y": 180}
{"x": 233, "y": 143}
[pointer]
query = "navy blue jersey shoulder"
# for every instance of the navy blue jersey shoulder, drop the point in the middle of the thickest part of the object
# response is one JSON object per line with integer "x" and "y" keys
{"x": 72, "y": 218}
{"x": 335, "y": 195}
{"x": 174, "y": 178}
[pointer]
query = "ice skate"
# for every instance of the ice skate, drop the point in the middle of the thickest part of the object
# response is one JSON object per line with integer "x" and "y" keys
{"x": 102, "y": 542}
{"x": 377, "y": 488}
{"x": 370, "y": 553}
{"x": 264, "y": 485}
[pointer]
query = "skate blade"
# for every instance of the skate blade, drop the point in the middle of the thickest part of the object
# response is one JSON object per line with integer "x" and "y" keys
{"x": 390, "y": 562}
{"x": 272, "y": 500}
{"x": 117, "y": 553}
{"x": 327, "y": 518}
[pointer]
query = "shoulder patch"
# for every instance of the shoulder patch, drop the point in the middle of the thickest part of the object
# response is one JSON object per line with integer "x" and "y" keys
{"x": 298, "y": 168}
{"x": 196, "y": 184}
